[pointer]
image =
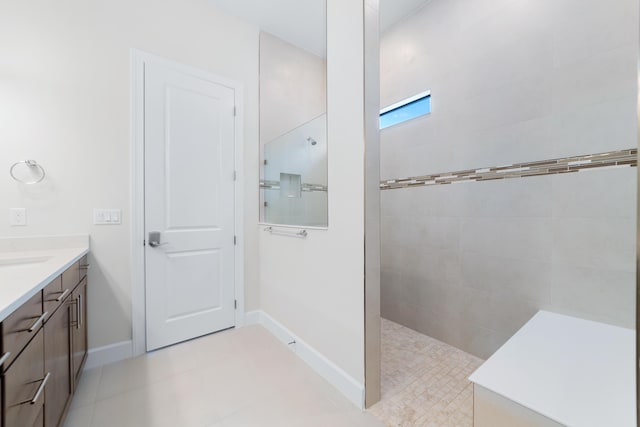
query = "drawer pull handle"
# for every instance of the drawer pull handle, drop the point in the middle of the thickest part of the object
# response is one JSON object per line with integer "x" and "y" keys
{"x": 38, "y": 322}
{"x": 5, "y": 357}
{"x": 41, "y": 388}
{"x": 64, "y": 295}
{"x": 84, "y": 266}
{"x": 79, "y": 311}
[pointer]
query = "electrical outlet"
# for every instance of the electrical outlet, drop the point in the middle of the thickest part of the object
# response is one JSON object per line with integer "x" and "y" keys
{"x": 17, "y": 217}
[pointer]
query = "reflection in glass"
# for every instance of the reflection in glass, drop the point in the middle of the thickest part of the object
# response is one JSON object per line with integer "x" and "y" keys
{"x": 294, "y": 185}
{"x": 293, "y": 134}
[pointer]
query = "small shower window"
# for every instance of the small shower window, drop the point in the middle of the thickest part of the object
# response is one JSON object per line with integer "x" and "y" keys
{"x": 407, "y": 109}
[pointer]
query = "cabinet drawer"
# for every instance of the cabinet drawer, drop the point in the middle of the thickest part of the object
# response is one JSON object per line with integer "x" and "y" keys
{"x": 20, "y": 327}
{"x": 24, "y": 384}
{"x": 83, "y": 266}
{"x": 53, "y": 295}
{"x": 71, "y": 276}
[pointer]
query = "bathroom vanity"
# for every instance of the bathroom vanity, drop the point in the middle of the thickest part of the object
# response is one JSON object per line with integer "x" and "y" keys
{"x": 43, "y": 315}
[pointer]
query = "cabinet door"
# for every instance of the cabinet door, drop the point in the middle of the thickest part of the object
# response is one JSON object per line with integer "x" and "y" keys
{"x": 57, "y": 354}
{"x": 40, "y": 419}
{"x": 24, "y": 384}
{"x": 79, "y": 328}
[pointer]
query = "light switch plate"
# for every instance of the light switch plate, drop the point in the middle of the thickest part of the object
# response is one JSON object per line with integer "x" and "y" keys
{"x": 107, "y": 216}
{"x": 17, "y": 216}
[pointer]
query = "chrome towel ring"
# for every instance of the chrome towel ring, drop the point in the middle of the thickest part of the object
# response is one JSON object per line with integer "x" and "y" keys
{"x": 31, "y": 164}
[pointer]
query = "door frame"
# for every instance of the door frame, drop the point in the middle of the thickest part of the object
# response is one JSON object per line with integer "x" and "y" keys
{"x": 138, "y": 284}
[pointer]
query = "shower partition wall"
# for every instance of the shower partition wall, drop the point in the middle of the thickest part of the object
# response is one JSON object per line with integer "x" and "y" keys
{"x": 638, "y": 265}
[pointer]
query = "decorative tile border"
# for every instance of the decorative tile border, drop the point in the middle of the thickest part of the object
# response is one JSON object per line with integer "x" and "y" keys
{"x": 623, "y": 158}
{"x": 307, "y": 188}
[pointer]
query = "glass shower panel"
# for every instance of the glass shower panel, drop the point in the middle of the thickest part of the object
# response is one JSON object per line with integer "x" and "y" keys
{"x": 294, "y": 184}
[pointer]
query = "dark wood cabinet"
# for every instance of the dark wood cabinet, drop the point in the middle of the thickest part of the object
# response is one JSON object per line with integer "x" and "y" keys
{"x": 57, "y": 360}
{"x": 44, "y": 347}
{"x": 24, "y": 384}
{"x": 52, "y": 296}
{"x": 71, "y": 276}
{"x": 83, "y": 266}
{"x": 20, "y": 327}
{"x": 39, "y": 422}
{"x": 79, "y": 328}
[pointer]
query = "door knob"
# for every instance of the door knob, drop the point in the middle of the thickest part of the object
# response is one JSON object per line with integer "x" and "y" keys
{"x": 154, "y": 239}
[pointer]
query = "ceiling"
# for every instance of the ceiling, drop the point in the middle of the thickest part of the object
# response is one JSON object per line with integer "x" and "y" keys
{"x": 302, "y": 22}
{"x": 391, "y": 11}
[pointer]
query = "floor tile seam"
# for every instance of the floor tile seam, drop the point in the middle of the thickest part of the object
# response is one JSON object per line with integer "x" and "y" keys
{"x": 95, "y": 397}
{"x": 443, "y": 398}
{"x": 216, "y": 414}
{"x": 120, "y": 393}
{"x": 423, "y": 404}
{"x": 145, "y": 385}
{"x": 74, "y": 406}
{"x": 400, "y": 389}
{"x": 92, "y": 418}
{"x": 457, "y": 395}
{"x": 410, "y": 380}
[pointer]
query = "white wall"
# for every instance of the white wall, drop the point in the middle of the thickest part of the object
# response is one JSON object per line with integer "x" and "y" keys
{"x": 65, "y": 102}
{"x": 315, "y": 286}
{"x": 511, "y": 81}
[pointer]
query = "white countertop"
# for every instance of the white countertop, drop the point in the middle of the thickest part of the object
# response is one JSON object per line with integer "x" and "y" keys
{"x": 576, "y": 372}
{"x": 40, "y": 260}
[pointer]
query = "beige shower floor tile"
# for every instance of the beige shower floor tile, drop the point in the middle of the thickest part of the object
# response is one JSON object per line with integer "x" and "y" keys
{"x": 424, "y": 381}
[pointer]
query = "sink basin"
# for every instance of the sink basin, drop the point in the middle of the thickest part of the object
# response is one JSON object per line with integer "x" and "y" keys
{"x": 22, "y": 262}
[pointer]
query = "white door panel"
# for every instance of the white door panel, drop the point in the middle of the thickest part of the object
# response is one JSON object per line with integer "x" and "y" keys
{"x": 189, "y": 199}
{"x": 192, "y": 294}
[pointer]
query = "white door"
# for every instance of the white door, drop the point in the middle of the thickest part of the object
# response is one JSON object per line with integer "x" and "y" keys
{"x": 189, "y": 203}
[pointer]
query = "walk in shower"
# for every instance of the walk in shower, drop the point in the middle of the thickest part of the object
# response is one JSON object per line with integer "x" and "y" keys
{"x": 515, "y": 192}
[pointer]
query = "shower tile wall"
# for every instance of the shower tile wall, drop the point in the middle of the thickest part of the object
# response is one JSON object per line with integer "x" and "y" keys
{"x": 511, "y": 81}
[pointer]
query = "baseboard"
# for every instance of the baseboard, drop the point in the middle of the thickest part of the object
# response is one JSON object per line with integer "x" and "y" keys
{"x": 252, "y": 317}
{"x": 109, "y": 354}
{"x": 352, "y": 389}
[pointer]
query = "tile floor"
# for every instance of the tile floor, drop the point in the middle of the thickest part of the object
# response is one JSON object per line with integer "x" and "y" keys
{"x": 424, "y": 381}
{"x": 242, "y": 377}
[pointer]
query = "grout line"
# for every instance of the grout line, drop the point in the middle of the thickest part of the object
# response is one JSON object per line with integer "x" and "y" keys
{"x": 431, "y": 382}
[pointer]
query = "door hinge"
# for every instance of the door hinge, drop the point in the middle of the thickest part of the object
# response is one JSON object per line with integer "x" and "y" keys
{"x": 265, "y": 162}
{"x": 235, "y": 111}
{"x": 144, "y": 243}
{"x": 235, "y": 304}
{"x": 235, "y": 240}
{"x": 235, "y": 175}
{"x": 266, "y": 204}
